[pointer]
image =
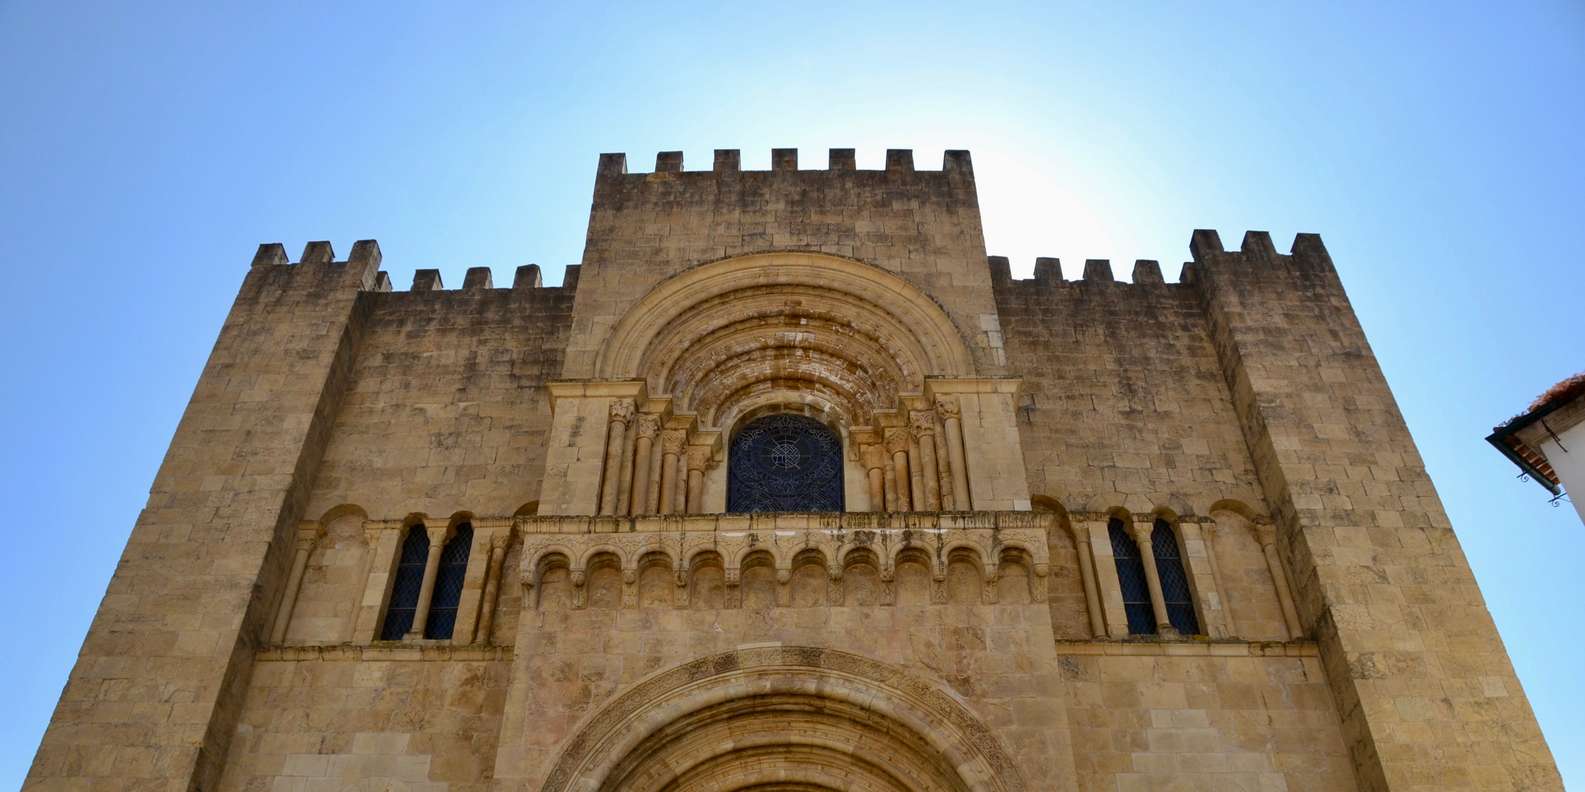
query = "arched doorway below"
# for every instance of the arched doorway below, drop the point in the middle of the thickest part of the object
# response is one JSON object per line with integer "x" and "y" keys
{"x": 785, "y": 462}
{"x": 784, "y": 719}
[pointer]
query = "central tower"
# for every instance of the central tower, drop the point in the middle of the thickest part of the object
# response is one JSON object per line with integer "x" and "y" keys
{"x": 854, "y": 298}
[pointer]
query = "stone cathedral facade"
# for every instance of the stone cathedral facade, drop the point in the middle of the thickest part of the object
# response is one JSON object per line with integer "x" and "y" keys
{"x": 789, "y": 487}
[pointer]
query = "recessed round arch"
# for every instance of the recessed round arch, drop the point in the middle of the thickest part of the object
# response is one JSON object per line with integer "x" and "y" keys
{"x": 941, "y": 342}
{"x": 661, "y": 729}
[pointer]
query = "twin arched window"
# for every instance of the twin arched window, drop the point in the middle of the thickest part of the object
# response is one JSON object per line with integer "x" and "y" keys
{"x": 1133, "y": 577}
{"x": 407, "y": 587}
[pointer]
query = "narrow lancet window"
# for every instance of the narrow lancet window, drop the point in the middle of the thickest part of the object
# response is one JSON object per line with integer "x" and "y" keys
{"x": 448, "y": 584}
{"x": 1131, "y": 576}
{"x": 1174, "y": 580}
{"x": 408, "y": 580}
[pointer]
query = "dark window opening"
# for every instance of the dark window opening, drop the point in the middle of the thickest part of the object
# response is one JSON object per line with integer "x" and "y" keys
{"x": 1174, "y": 579}
{"x": 785, "y": 462}
{"x": 1131, "y": 574}
{"x": 404, "y": 590}
{"x": 448, "y": 584}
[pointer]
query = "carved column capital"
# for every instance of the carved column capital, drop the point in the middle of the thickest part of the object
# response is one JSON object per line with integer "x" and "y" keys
{"x": 897, "y": 441}
{"x": 948, "y": 408}
{"x": 922, "y": 423}
{"x": 622, "y": 410}
{"x": 873, "y": 456}
{"x": 308, "y": 533}
{"x": 1141, "y": 527}
{"x": 1265, "y": 533}
{"x": 698, "y": 457}
{"x": 672, "y": 441}
{"x": 648, "y": 424}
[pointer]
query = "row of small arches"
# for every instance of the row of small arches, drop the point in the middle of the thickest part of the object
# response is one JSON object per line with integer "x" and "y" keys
{"x": 914, "y": 576}
{"x": 751, "y": 553}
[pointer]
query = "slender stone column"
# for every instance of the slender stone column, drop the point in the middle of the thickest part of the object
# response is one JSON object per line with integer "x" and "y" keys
{"x": 1208, "y": 540}
{"x": 652, "y": 498}
{"x": 924, "y": 429}
{"x": 889, "y": 474}
{"x": 951, "y": 418}
{"x": 307, "y": 535}
{"x": 897, "y": 444}
{"x": 874, "y": 457}
{"x": 679, "y": 499}
{"x": 426, "y": 591}
{"x": 916, "y": 481}
{"x": 698, "y": 460}
{"x": 1140, "y": 528}
{"x": 615, "y": 442}
{"x": 647, "y": 426}
{"x": 492, "y": 586}
{"x": 943, "y": 469}
{"x": 671, "y": 444}
{"x": 1092, "y": 595}
{"x": 1266, "y": 534}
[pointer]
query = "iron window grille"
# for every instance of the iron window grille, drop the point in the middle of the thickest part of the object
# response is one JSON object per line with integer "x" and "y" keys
{"x": 1174, "y": 580}
{"x": 448, "y": 584}
{"x": 785, "y": 463}
{"x": 404, "y": 590}
{"x": 1131, "y": 576}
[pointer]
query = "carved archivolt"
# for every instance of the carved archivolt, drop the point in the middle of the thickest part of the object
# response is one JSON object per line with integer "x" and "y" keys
{"x": 869, "y": 300}
{"x": 852, "y": 345}
{"x": 800, "y": 716}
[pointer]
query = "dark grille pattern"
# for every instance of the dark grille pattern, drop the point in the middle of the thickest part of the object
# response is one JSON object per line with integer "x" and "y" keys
{"x": 1131, "y": 574}
{"x": 1174, "y": 580}
{"x": 448, "y": 584}
{"x": 404, "y": 591}
{"x": 785, "y": 463}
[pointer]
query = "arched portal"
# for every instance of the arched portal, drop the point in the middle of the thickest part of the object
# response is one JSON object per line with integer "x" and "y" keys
{"x": 784, "y": 462}
{"x": 784, "y": 718}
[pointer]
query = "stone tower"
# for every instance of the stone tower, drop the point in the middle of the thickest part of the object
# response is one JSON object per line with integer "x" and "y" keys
{"x": 790, "y": 487}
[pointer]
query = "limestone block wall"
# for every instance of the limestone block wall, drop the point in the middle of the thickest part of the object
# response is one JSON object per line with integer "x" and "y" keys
{"x": 1203, "y": 718}
{"x": 1425, "y": 688}
{"x": 331, "y": 719}
{"x": 446, "y": 410}
{"x": 922, "y": 225}
{"x": 1124, "y": 401}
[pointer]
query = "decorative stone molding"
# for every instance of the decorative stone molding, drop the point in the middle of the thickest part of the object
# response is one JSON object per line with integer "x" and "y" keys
{"x": 906, "y": 717}
{"x": 648, "y": 425}
{"x": 838, "y": 540}
{"x": 622, "y": 410}
{"x": 948, "y": 409}
{"x": 673, "y": 441}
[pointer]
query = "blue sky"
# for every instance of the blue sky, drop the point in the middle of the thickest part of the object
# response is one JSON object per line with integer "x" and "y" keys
{"x": 146, "y": 149}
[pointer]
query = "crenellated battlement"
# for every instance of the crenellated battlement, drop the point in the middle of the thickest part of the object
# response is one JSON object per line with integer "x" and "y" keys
{"x": 1307, "y": 251}
{"x": 785, "y": 160}
{"x": 1306, "y": 254}
{"x": 1048, "y": 273}
{"x": 320, "y": 256}
{"x": 365, "y": 255}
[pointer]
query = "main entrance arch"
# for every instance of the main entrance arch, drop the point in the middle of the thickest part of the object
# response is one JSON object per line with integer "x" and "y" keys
{"x": 784, "y": 718}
